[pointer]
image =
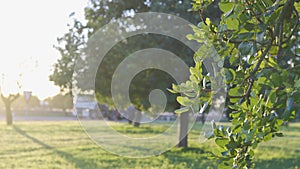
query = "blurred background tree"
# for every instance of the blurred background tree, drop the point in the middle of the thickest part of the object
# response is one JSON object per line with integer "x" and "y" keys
{"x": 60, "y": 101}
{"x": 20, "y": 103}
{"x": 97, "y": 14}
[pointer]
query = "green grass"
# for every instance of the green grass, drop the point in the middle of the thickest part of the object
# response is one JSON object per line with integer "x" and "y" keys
{"x": 65, "y": 145}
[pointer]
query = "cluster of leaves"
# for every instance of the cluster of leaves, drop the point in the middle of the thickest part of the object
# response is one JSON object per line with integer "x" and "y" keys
{"x": 193, "y": 97}
{"x": 259, "y": 43}
{"x": 69, "y": 47}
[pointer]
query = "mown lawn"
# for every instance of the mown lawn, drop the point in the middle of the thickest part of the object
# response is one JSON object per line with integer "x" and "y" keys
{"x": 66, "y": 145}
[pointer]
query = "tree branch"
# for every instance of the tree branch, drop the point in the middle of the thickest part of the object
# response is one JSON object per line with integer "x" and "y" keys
{"x": 280, "y": 24}
{"x": 252, "y": 78}
{"x": 253, "y": 12}
{"x": 295, "y": 27}
{"x": 15, "y": 97}
{"x": 235, "y": 97}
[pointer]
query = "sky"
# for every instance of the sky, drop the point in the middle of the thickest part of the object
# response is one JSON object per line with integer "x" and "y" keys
{"x": 28, "y": 31}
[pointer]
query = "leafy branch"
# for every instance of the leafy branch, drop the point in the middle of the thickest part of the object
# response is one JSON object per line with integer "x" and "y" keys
{"x": 256, "y": 40}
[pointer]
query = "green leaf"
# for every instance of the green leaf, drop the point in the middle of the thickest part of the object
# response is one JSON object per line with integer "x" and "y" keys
{"x": 260, "y": 36}
{"x": 172, "y": 91}
{"x": 297, "y": 5}
{"x": 218, "y": 133}
{"x": 190, "y": 94}
{"x": 182, "y": 110}
{"x": 245, "y": 35}
{"x": 234, "y": 107}
{"x": 260, "y": 135}
{"x": 297, "y": 84}
{"x": 175, "y": 88}
{"x": 259, "y": 7}
{"x": 221, "y": 141}
{"x": 268, "y": 137}
{"x": 190, "y": 37}
{"x": 197, "y": 37}
{"x": 246, "y": 125}
{"x": 273, "y": 63}
{"x": 245, "y": 48}
{"x": 232, "y": 145}
{"x": 272, "y": 19}
{"x": 232, "y": 24}
{"x": 237, "y": 91}
{"x": 243, "y": 17}
{"x": 262, "y": 27}
{"x": 250, "y": 136}
{"x": 272, "y": 98}
{"x": 249, "y": 26}
{"x": 196, "y": 72}
{"x": 279, "y": 122}
{"x": 235, "y": 115}
{"x": 276, "y": 79}
{"x": 238, "y": 8}
{"x": 234, "y": 56}
{"x": 230, "y": 75}
{"x": 226, "y": 6}
{"x": 251, "y": 153}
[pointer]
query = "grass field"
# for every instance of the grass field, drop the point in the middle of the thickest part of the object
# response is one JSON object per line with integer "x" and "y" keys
{"x": 65, "y": 145}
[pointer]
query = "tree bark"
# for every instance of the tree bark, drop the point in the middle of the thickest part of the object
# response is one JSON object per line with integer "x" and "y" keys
{"x": 203, "y": 118}
{"x": 183, "y": 130}
{"x": 9, "y": 117}
{"x": 130, "y": 117}
{"x": 7, "y": 102}
{"x": 137, "y": 119}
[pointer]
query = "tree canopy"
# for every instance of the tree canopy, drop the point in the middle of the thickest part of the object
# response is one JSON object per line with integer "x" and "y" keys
{"x": 99, "y": 13}
{"x": 259, "y": 43}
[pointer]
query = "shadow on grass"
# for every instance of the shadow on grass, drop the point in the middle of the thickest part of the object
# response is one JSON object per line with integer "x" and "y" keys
{"x": 140, "y": 130}
{"x": 193, "y": 157}
{"x": 278, "y": 163}
{"x": 79, "y": 163}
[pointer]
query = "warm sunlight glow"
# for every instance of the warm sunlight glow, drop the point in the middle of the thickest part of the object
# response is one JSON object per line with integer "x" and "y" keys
{"x": 28, "y": 31}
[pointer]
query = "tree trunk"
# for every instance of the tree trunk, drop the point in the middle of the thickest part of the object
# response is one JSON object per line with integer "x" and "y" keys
{"x": 7, "y": 102}
{"x": 137, "y": 119}
{"x": 9, "y": 117}
{"x": 203, "y": 118}
{"x": 183, "y": 130}
{"x": 130, "y": 117}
